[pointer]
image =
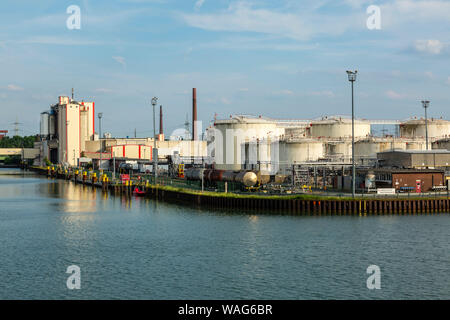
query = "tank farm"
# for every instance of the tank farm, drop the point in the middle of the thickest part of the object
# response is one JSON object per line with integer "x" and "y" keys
{"x": 284, "y": 205}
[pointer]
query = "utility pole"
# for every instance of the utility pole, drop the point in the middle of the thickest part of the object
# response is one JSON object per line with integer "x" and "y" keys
{"x": 100, "y": 115}
{"x": 16, "y": 127}
{"x": 155, "y": 156}
{"x": 425, "y": 105}
{"x": 352, "y": 79}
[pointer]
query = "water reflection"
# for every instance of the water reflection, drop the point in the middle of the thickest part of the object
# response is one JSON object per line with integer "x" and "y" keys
{"x": 76, "y": 197}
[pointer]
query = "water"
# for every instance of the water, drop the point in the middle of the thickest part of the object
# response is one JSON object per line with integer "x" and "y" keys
{"x": 142, "y": 249}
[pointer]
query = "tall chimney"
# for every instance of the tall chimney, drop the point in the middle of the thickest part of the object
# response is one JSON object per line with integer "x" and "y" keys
{"x": 194, "y": 114}
{"x": 160, "y": 120}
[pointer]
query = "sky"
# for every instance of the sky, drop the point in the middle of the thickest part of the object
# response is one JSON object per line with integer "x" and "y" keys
{"x": 283, "y": 59}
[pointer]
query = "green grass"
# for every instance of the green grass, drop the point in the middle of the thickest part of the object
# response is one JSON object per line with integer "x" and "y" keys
{"x": 247, "y": 196}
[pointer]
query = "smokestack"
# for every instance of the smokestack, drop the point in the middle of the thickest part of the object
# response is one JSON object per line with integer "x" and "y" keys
{"x": 194, "y": 114}
{"x": 160, "y": 120}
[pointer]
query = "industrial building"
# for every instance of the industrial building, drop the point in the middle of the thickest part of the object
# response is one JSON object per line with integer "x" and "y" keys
{"x": 67, "y": 134}
{"x": 415, "y": 159}
{"x": 402, "y": 180}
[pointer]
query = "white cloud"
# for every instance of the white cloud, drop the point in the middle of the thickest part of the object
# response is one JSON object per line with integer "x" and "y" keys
{"x": 414, "y": 12}
{"x": 429, "y": 75}
{"x": 284, "y": 92}
{"x": 225, "y": 100}
{"x": 395, "y": 95}
{"x": 243, "y": 17}
{"x": 199, "y": 4}
{"x": 325, "y": 93}
{"x": 13, "y": 87}
{"x": 429, "y": 46}
{"x": 103, "y": 90}
{"x": 120, "y": 60}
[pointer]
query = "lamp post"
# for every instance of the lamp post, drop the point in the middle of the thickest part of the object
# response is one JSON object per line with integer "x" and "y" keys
{"x": 155, "y": 159}
{"x": 352, "y": 79}
{"x": 100, "y": 115}
{"x": 426, "y": 104}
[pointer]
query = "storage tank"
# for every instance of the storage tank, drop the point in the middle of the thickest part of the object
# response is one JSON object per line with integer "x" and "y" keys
{"x": 216, "y": 175}
{"x": 44, "y": 124}
{"x": 339, "y": 128}
{"x": 248, "y": 178}
{"x": 416, "y": 145}
{"x": 299, "y": 151}
{"x": 52, "y": 124}
{"x": 416, "y": 128}
{"x": 370, "y": 180}
{"x": 263, "y": 177}
{"x": 194, "y": 173}
{"x": 229, "y": 176}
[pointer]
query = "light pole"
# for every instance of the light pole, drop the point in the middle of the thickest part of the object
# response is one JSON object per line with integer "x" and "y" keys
{"x": 426, "y": 104}
{"x": 100, "y": 115}
{"x": 352, "y": 79}
{"x": 155, "y": 158}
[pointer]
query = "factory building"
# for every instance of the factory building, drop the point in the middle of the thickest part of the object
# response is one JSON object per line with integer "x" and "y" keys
{"x": 65, "y": 128}
{"x": 417, "y": 159}
{"x": 67, "y": 134}
{"x": 403, "y": 180}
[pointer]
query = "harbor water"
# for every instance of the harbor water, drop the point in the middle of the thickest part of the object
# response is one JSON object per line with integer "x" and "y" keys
{"x": 137, "y": 248}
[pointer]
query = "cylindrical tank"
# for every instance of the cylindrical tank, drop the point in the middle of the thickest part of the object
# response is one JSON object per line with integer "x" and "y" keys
{"x": 216, "y": 175}
{"x": 229, "y": 176}
{"x": 263, "y": 177}
{"x": 248, "y": 178}
{"x": 194, "y": 173}
{"x": 44, "y": 123}
{"x": 280, "y": 178}
{"x": 370, "y": 180}
{"x": 416, "y": 145}
{"x": 52, "y": 124}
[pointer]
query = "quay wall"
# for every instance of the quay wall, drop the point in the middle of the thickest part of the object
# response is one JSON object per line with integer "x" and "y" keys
{"x": 289, "y": 205}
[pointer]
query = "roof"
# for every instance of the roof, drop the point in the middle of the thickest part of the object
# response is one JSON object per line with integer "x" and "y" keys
{"x": 397, "y": 170}
{"x": 433, "y": 151}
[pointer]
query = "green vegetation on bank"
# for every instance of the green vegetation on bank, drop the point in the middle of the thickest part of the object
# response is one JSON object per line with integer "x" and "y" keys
{"x": 18, "y": 142}
{"x": 246, "y": 196}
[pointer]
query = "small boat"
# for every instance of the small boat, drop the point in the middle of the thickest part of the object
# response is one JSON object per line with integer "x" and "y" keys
{"x": 138, "y": 192}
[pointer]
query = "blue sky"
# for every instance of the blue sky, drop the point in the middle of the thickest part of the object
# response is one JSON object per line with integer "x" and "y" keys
{"x": 282, "y": 59}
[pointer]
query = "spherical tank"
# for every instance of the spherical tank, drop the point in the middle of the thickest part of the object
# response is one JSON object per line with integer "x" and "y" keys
{"x": 248, "y": 178}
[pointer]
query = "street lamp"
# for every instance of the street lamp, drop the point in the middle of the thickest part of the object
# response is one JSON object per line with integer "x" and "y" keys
{"x": 352, "y": 79}
{"x": 155, "y": 158}
{"x": 100, "y": 115}
{"x": 426, "y": 104}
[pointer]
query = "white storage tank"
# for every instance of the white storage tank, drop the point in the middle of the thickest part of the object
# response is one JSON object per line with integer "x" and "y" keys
{"x": 338, "y": 128}
{"x": 44, "y": 124}
{"x": 300, "y": 151}
{"x": 52, "y": 124}
{"x": 416, "y": 128}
